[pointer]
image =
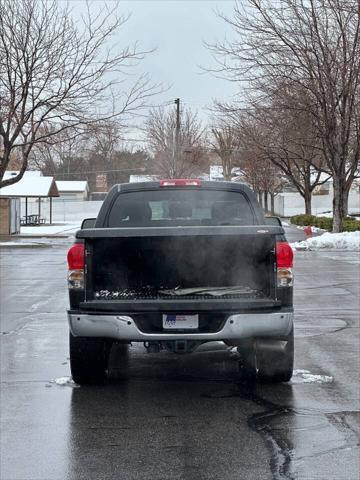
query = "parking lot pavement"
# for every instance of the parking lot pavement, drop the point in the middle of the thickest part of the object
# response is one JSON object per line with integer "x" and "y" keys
{"x": 172, "y": 417}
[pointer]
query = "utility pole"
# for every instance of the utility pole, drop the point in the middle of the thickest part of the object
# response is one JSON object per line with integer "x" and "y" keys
{"x": 177, "y": 135}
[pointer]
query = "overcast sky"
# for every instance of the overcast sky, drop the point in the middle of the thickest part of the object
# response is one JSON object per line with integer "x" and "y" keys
{"x": 178, "y": 30}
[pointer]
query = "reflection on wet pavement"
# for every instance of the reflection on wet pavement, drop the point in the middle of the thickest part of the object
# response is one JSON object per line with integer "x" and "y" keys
{"x": 299, "y": 440}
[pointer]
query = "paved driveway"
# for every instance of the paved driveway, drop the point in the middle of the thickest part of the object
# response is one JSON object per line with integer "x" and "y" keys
{"x": 167, "y": 417}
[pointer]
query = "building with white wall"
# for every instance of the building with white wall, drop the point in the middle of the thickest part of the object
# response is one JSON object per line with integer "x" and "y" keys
{"x": 73, "y": 189}
{"x": 292, "y": 203}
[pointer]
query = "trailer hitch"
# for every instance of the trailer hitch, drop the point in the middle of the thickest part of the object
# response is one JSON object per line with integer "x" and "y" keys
{"x": 152, "y": 347}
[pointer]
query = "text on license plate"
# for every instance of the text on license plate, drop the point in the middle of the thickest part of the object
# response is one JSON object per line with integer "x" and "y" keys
{"x": 180, "y": 321}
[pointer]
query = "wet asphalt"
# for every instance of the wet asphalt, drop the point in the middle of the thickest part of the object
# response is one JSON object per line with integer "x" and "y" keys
{"x": 162, "y": 416}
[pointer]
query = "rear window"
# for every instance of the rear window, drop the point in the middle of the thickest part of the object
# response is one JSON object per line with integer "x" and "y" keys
{"x": 180, "y": 208}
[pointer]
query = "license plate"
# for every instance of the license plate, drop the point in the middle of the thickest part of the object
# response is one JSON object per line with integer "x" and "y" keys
{"x": 180, "y": 322}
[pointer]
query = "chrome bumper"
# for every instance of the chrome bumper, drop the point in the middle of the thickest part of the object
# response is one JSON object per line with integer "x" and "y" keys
{"x": 237, "y": 326}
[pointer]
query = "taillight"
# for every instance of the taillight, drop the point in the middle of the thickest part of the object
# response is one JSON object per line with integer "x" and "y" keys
{"x": 180, "y": 182}
{"x": 76, "y": 263}
{"x": 284, "y": 264}
{"x": 76, "y": 256}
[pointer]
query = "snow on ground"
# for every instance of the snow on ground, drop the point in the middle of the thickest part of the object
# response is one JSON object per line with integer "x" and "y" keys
{"x": 316, "y": 229}
{"x": 353, "y": 212}
{"x": 313, "y": 229}
{"x": 65, "y": 381}
{"x": 18, "y": 244}
{"x": 67, "y": 216}
{"x": 304, "y": 376}
{"x": 331, "y": 241}
{"x": 327, "y": 214}
{"x": 59, "y": 228}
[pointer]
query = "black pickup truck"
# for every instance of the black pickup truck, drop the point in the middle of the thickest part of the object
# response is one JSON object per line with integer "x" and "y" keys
{"x": 175, "y": 264}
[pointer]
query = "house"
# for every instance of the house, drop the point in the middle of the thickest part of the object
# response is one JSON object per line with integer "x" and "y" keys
{"x": 73, "y": 189}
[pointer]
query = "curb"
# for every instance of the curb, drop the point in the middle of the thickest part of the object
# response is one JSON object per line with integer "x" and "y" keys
{"x": 4, "y": 238}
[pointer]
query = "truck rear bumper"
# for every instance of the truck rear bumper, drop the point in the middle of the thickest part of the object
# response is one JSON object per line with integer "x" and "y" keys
{"x": 237, "y": 326}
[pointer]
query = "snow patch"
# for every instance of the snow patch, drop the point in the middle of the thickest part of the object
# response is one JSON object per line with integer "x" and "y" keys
{"x": 331, "y": 241}
{"x": 21, "y": 244}
{"x": 313, "y": 229}
{"x": 64, "y": 228}
{"x": 304, "y": 376}
{"x": 65, "y": 381}
{"x": 316, "y": 229}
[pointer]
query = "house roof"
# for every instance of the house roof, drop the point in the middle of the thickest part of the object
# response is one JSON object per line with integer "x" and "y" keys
{"x": 72, "y": 186}
{"x": 31, "y": 185}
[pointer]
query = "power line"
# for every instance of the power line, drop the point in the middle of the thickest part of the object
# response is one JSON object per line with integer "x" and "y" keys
{"x": 141, "y": 169}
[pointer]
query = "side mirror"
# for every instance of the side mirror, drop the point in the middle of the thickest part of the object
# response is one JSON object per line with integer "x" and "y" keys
{"x": 274, "y": 221}
{"x": 88, "y": 223}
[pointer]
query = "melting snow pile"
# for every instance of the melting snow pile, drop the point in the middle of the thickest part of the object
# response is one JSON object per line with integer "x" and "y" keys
{"x": 316, "y": 229}
{"x": 331, "y": 241}
{"x": 64, "y": 381}
{"x": 304, "y": 376}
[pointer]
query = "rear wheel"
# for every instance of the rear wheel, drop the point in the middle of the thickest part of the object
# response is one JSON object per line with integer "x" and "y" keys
{"x": 276, "y": 366}
{"x": 261, "y": 362}
{"x": 88, "y": 359}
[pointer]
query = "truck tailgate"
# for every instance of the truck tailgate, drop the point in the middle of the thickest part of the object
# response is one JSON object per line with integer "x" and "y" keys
{"x": 180, "y": 269}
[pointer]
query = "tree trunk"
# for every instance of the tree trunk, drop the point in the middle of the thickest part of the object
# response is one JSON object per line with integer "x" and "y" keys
{"x": 261, "y": 198}
{"x": 339, "y": 201}
{"x": 266, "y": 206}
{"x": 307, "y": 200}
{"x": 346, "y": 200}
{"x": 272, "y": 203}
{"x": 227, "y": 171}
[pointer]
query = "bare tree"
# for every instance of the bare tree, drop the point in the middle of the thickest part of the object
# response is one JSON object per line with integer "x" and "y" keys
{"x": 64, "y": 157}
{"x": 313, "y": 45}
{"x": 106, "y": 155}
{"x": 176, "y": 156}
{"x": 286, "y": 139}
{"x": 98, "y": 153}
{"x": 225, "y": 143}
{"x": 57, "y": 73}
{"x": 261, "y": 174}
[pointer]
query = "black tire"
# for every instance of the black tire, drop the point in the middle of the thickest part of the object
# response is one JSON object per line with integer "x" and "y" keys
{"x": 247, "y": 365}
{"x": 275, "y": 367}
{"x": 88, "y": 359}
{"x": 118, "y": 361}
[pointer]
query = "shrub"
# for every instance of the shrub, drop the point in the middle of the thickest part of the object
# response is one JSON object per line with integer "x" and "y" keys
{"x": 350, "y": 224}
{"x": 303, "y": 219}
{"x": 324, "y": 223}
